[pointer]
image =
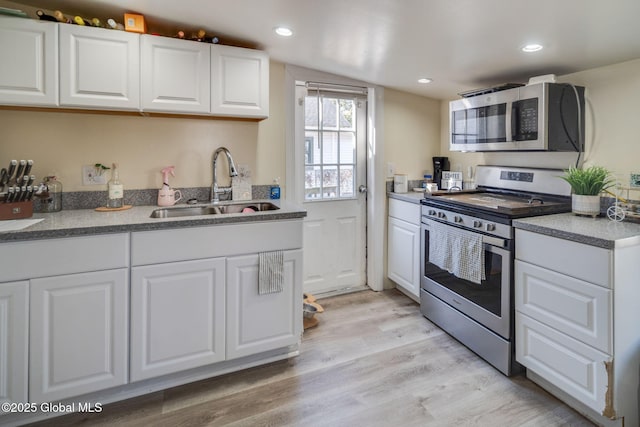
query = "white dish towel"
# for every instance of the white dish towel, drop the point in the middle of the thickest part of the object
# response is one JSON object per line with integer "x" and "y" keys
{"x": 457, "y": 251}
{"x": 271, "y": 272}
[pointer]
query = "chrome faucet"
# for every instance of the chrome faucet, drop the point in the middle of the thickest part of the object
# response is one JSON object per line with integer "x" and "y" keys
{"x": 215, "y": 189}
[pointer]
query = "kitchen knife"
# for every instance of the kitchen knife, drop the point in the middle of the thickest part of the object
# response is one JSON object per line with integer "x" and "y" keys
{"x": 29, "y": 193}
{"x": 27, "y": 169}
{"x": 31, "y": 179}
{"x": 19, "y": 172}
{"x": 10, "y": 194}
{"x": 23, "y": 193}
{"x": 11, "y": 170}
{"x": 3, "y": 175}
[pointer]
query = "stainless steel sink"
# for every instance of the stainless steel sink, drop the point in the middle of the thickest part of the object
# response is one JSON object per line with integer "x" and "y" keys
{"x": 246, "y": 207}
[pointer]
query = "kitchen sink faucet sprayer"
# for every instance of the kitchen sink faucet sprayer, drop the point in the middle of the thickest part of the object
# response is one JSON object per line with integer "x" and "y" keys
{"x": 215, "y": 189}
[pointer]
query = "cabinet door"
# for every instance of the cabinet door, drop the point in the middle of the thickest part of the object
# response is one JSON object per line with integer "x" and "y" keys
{"x": 14, "y": 330}
{"x": 78, "y": 334}
{"x": 99, "y": 68}
{"x": 573, "y": 367}
{"x": 239, "y": 82}
{"x": 575, "y": 307}
{"x": 177, "y": 317}
{"x": 29, "y": 65}
{"x": 403, "y": 255}
{"x": 257, "y": 323}
{"x": 176, "y": 75}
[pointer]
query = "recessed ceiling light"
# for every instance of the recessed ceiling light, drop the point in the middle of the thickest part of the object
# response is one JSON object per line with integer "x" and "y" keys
{"x": 283, "y": 31}
{"x": 424, "y": 80}
{"x": 534, "y": 47}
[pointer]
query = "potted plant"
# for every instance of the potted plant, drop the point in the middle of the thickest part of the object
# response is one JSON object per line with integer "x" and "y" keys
{"x": 587, "y": 184}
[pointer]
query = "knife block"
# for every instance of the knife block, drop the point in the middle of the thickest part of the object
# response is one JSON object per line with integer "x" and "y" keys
{"x": 16, "y": 210}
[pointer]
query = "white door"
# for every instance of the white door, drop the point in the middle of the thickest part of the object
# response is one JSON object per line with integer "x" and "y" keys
{"x": 14, "y": 332}
{"x": 99, "y": 68}
{"x": 239, "y": 82}
{"x": 176, "y": 75}
{"x": 29, "y": 70}
{"x": 261, "y": 322}
{"x": 78, "y": 334}
{"x": 177, "y": 316}
{"x": 331, "y": 133}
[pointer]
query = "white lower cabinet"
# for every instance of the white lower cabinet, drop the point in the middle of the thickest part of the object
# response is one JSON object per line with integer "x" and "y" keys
{"x": 14, "y": 330}
{"x": 577, "y": 323}
{"x": 78, "y": 334}
{"x": 570, "y": 365}
{"x": 177, "y": 317}
{"x": 261, "y": 322}
{"x": 403, "y": 246}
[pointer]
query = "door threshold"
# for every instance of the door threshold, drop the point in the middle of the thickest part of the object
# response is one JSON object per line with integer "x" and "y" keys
{"x": 342, "y": 291}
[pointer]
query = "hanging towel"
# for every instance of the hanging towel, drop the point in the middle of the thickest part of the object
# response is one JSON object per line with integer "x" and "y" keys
{"x": 271, "y": 272}
{"x": 457, "y": 251}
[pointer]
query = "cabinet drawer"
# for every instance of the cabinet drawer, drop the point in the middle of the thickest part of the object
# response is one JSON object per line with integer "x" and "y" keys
{"x": 570, "y": 365}
{"x": 405, "y": 211}
{"x": 572, "y": 306}
{"x": 53, "y": 257}
{"x": 578, "y": 260}
{"x": 214, "y": 241}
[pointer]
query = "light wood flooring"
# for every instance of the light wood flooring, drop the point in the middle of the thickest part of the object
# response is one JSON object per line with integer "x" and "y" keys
{"x": 372, "y": 361}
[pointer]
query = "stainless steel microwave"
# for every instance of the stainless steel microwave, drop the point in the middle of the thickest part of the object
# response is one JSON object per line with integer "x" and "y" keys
{"x": 537, "y": 117}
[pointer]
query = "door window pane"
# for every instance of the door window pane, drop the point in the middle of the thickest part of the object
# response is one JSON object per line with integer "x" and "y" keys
{"x": 347, "y": 184}
{"x": 329, "y": 182}
{"x": 347, "y": 147}
{"x": 330, "y": 147}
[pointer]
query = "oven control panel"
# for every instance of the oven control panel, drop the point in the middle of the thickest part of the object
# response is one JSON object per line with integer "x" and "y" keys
{"x": 468, "y": 222}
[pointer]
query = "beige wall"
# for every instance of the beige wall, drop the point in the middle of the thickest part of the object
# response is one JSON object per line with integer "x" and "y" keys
{"x": 61, "y": 142}
{"x": 411, "y": 132}
{"x": 611, "y": 133}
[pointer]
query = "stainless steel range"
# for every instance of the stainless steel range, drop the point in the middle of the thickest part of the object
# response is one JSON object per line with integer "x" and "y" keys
{"x": 467, "y": 252}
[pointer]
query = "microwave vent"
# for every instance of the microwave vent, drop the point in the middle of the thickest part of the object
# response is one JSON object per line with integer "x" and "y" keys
{"x": 476, "y": 92}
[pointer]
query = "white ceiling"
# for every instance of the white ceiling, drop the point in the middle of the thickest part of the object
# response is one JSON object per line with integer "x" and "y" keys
{"x": 460, "y": 44}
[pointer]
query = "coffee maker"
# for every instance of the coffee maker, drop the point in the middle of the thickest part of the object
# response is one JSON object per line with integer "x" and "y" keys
{"x": 439, "y": 164}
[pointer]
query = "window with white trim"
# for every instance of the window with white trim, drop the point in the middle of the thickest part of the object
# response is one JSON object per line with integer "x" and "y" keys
{"x": 330, "y": 146}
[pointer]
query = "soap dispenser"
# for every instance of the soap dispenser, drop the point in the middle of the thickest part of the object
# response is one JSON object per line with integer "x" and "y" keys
{"x": 167, "y": 195}
{"x": 274, "y": 191}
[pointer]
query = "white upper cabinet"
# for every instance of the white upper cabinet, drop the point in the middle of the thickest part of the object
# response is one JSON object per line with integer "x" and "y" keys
{"x": 240, "y": 82}
{"x": 176, "y": 75}
{"x": 99, "y": 68}
{"x": 92, "y": 68}
{"x": 29, "y": 65}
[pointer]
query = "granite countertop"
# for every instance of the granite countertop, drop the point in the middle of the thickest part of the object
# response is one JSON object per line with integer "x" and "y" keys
{"x": 411, "y": 197}
{"x": 82, "y": 222}
{"x": 600, "y": 232}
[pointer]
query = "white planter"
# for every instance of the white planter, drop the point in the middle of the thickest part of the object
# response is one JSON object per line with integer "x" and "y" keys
{"x": 585, "y": 205}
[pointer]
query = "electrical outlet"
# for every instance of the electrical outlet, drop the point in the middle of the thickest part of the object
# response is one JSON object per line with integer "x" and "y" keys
{"x": 634, "y": 182}
{"x": 93, "y": 176}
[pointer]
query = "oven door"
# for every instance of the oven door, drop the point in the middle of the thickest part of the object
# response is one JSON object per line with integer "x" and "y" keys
{"x": 488, "y": 303}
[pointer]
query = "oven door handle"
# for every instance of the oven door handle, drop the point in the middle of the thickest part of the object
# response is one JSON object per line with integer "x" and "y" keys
{"x": 489, "y": 240}
{"x": 494, "y": 241}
